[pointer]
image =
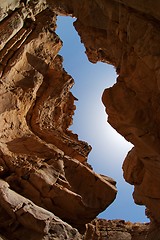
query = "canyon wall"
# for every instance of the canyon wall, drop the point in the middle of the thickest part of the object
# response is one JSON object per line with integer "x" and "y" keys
{"x": 126, "y": 35}
{"x": 47, "y": 188}
{"x": 44, "y": 173}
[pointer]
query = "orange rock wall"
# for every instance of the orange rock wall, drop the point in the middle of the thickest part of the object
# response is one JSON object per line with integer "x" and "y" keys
{"x": 45, "y": 181}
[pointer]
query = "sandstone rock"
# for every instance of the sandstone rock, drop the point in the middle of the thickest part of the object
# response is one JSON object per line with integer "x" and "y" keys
{"x": 45, "y": 181}
{"x": 101, "y": 229}
{"x": 126, "y": 35}
{"x": 23, "y": 215}
{"x": 43, "y": 166}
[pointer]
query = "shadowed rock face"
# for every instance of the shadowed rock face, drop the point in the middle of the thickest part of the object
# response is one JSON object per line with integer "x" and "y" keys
{"x": 47, "y": 188}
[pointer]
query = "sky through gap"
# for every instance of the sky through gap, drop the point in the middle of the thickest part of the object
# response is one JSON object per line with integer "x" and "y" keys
{"x": 90, "y": 121}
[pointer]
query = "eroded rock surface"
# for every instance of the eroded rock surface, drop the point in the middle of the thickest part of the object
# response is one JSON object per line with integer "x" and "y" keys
{"x": 126, "y": 34}
{"x": 25, "y": 220}
{"x": 45, "y": 181}
{"x": 47, "y": 188}
{"x": 116, "y": 229}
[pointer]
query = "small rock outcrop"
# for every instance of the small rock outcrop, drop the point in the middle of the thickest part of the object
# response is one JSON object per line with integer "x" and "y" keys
{"x": 101, "y": 229}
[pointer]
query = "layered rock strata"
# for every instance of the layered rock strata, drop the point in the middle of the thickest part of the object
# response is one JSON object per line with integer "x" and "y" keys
{"x": 45, "y": 181}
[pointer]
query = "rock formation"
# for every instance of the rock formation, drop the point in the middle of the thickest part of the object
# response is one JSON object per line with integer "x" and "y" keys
{"x": 47, "y": 189}
{"x": 100, "y": 229}
{"x": 41, "y": 159}
{"x": 126, "y": 35}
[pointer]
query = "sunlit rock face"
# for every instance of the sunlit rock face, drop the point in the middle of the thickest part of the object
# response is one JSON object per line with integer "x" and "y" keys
{"x": 126, "y": 34}
{"x": 46, "y": 186}
{"x": 47, "y": 189}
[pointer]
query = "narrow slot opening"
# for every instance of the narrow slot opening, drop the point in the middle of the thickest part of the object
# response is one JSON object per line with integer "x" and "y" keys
{"x": 90, "y": 121}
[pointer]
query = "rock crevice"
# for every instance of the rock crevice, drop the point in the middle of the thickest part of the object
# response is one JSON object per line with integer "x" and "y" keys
{"x": 46, "y": 185}
{"x": 127, "y": 36}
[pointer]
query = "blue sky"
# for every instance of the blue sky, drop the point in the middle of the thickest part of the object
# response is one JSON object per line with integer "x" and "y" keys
{"x": 90, "y": 121}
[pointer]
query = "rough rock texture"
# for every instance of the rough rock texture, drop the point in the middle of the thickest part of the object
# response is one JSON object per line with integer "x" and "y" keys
{"x": 126, "y": 34}
{"x": 100, "y": 229}
{"x": 44, "y": 177}
{"x": 28, "y": 221}
{"x": 47, "y": 189}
